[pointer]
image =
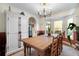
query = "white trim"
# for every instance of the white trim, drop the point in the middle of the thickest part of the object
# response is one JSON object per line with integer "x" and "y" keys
{"x": 14, "y": 51}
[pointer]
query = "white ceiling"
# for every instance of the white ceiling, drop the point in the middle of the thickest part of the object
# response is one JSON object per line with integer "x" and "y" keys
{"x": 34, "y": 7}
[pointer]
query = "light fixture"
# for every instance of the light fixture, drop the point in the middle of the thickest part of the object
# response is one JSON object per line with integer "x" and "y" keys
{"x": 44, "y": 11}
{"x": 22, "y": 13}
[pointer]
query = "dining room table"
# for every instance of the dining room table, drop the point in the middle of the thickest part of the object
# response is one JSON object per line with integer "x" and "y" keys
{"x": 39, "y": 43}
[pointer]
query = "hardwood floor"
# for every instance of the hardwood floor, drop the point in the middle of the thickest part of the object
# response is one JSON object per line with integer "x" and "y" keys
{"x": 67, "y": 51}
{"x": 21, "y": 53}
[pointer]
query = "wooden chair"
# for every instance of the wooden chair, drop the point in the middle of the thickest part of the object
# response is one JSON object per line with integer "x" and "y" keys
{"x": 54, "y": 48}
{"x": 57, "y": 47}
{"x": 60, "y": 38}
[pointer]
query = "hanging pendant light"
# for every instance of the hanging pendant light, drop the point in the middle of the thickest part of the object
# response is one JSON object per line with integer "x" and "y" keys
{"x": 45, "y": 11}
{"x": 22, "y": 13}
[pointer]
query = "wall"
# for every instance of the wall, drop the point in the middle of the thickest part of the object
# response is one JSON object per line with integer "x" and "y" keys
{"x": 4, "y": 7}
{"x": 42, "y": 23}
{"x": 76, "y": 17}
{"x": 64, "y": 16}
{"x": 36, "y": 28}
{"x": 2, "y": 18}
{"x": 2, "y": 23}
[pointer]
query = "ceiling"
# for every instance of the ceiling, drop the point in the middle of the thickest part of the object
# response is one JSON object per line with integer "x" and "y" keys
{"x": 34, "y": 7}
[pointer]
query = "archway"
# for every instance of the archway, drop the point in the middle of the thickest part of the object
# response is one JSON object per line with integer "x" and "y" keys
{"x": 32, "y": 24}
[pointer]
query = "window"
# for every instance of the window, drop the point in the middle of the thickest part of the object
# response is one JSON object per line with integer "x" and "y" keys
{"x": 57, "y": 26}
{"x": 70, "y": 21}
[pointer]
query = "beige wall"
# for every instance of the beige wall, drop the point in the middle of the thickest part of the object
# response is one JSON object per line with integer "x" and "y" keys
{"x": 2, "y": 23}
{"x": 42, "y": 24}
{"x": 64, "y": 16}
{"x": 73, "y": 13}
{"x": 55, "y": 17}
{"x": 4, "y": 7}
{"x": 40, "y": 21}
{"x": 76, "y": 17}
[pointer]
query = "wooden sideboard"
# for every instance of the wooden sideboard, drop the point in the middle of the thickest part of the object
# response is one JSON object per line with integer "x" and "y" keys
{"x": 2, "y": 43}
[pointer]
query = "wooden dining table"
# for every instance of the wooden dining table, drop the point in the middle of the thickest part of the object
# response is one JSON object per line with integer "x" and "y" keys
{"x": 39, "y": 43}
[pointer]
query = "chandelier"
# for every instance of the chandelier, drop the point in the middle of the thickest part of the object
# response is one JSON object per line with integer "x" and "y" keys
{"x": 45, "y": 11}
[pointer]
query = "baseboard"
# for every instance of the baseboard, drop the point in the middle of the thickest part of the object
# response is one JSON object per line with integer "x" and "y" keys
{"x": 14, "y": 51}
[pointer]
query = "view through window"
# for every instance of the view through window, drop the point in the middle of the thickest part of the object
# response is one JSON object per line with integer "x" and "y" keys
{"x": 58, "y": 26}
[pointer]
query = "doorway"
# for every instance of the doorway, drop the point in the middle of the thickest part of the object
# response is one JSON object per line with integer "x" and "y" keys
{"x": 31, "y": 29}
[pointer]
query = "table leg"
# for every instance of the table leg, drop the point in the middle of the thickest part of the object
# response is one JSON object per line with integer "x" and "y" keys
{"x": 24, "y": 49}
{"x": 27, "y": 50}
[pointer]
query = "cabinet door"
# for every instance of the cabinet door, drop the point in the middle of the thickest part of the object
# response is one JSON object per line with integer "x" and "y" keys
{"x": 24, "y": 27}
{"x": 12, "y": 42}
{"x": 11, "y": 22}
{"x": 12, "y": 31}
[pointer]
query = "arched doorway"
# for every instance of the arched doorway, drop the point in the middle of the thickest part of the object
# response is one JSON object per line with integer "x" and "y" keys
{"x": 32, "y": 24}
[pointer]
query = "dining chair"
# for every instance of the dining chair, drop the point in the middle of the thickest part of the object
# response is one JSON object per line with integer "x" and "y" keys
{"x": 54, "y": 47}
{"x": 60, "y": 47}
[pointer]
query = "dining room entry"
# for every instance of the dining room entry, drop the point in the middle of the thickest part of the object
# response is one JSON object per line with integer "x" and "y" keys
{"x": 31, "y": 28}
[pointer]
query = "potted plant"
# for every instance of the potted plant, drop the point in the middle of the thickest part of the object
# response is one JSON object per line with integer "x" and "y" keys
{"x": 49, "y": 31}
